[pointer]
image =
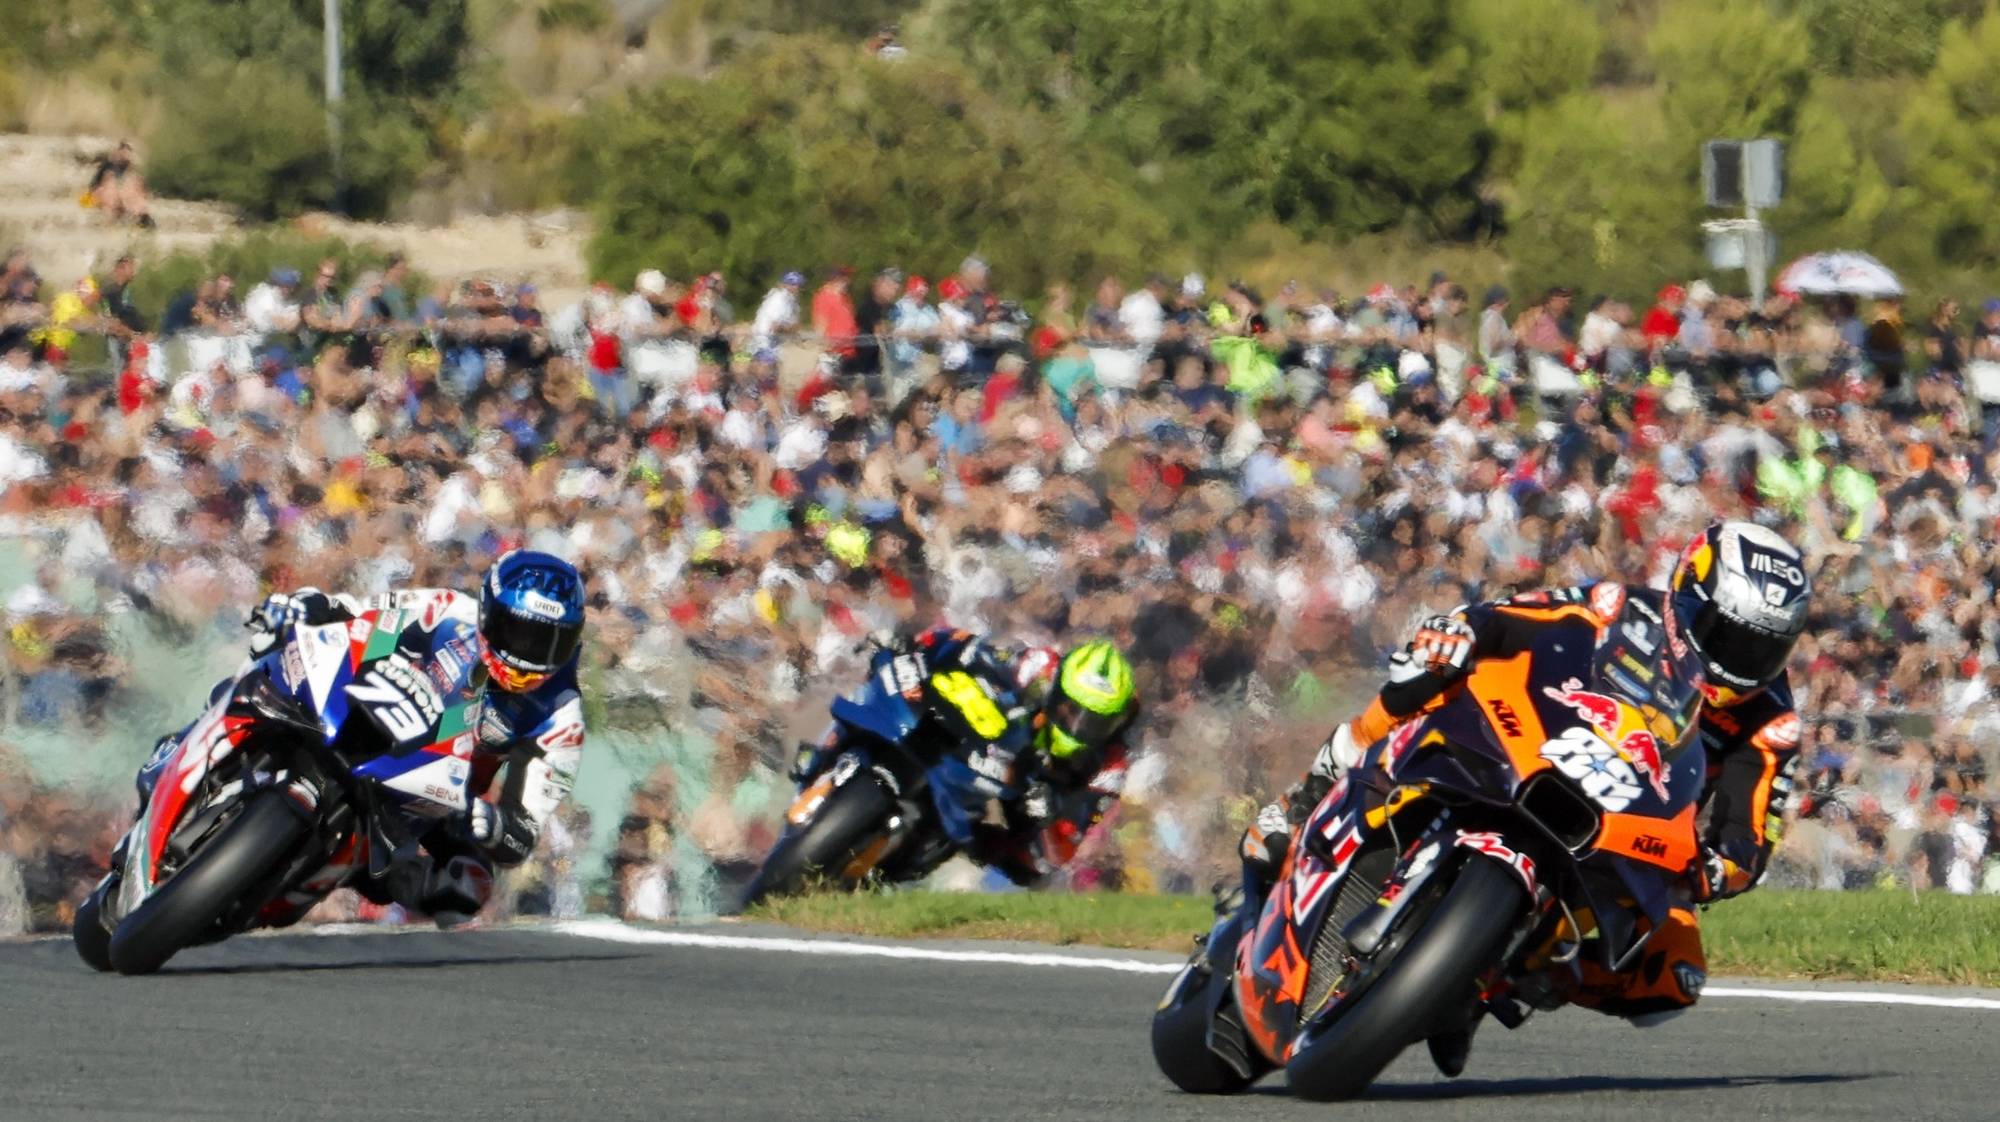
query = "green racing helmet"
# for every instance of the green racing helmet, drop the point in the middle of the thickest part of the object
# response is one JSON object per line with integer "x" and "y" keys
{"x": 1092, "y": 698}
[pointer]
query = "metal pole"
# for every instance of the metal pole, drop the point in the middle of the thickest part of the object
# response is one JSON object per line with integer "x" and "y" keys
{"x": 1753, "y": 253}
{"x": 333, "y": 95}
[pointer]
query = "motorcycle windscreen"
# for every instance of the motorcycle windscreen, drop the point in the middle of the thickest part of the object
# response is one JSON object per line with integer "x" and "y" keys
{"x": 880, "y": 706}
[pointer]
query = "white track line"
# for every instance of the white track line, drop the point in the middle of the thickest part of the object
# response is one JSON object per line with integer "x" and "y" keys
{"x": 1856, "y": 997}
{"x": 614, "y": 932}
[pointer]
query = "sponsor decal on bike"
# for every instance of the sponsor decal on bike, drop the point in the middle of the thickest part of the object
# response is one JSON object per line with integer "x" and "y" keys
{"x": 905, "y": 675}
{"x": 400, "y": 697}
{"x": 1606, "y": 599}
{"x": 1505, "y": 716}
{"x": 1639, "y": 669}
{"x": 1311, "y": 879}
{"x": 992, "y": 763}
{"x": 1595, "y": 766}
{"x": 1649, "y": 845}
{"x": 292, "y": 666}
{"x": 1398, "y": 746}
{"x": 1615, "y": 724}
{"x": 1490, "y": 843}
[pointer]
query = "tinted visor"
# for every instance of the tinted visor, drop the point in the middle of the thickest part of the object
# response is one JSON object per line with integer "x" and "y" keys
{"x": 1746, "y": 655}
{"x": 1079, "y": 726}
{"x": 530, "y": 644}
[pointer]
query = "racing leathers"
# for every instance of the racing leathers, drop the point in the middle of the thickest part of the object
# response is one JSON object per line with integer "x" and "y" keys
{"x": 536, "y": 737}
{"x": 1751, "y": 743}
{"x": 1060, "y": 801}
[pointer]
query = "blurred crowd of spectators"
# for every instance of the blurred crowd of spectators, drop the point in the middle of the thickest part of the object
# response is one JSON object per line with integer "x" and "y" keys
{"x": 1254, "y": 492}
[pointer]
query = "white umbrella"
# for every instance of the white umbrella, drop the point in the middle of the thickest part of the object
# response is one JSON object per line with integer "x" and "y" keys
{"x": 1842, "y": 273}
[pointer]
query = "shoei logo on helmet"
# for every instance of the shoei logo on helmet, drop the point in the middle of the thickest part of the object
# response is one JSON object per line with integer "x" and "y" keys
{"x": 541, "y": 607}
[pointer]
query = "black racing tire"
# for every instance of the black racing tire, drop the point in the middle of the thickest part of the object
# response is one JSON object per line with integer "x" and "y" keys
{"x": 853, "y": 815}
{"x": 246, "y": 850}
{"x": 1180, "y": 1039}
{"x": 87, "y": 931}
{"x": 1432, "y": 973}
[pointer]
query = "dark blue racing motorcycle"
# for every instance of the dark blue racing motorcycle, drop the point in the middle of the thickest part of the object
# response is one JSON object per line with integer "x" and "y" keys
{"x": 904, "y": 779}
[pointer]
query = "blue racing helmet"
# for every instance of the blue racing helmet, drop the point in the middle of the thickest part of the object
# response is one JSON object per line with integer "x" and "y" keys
{"x": 530, "y": 618}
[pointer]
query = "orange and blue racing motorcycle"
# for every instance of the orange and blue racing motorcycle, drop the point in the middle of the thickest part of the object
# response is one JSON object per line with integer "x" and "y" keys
{"x": 1541, "y": 810}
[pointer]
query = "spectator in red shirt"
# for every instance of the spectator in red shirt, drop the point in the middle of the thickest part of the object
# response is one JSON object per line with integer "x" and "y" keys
{"x": 1663, "y": 320}
{"x": 833, "y": 313}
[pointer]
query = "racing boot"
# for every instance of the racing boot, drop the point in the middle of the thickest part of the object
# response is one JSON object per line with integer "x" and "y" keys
{"x": 455, "y": 891}
{"x": 1269, "y": 838}
{"x": 1449, "y": 1049}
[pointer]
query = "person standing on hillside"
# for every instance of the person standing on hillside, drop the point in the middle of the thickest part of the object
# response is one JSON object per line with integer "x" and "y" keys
{"x": 117, "y": 188}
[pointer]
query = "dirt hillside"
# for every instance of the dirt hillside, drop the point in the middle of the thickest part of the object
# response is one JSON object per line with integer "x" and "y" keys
{"x": 41, "y": 178}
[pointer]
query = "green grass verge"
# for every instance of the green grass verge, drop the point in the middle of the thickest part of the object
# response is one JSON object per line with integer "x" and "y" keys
{"x": 1867, "y": 936}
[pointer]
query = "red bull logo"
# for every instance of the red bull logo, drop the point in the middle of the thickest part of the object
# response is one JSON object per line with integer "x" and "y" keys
{"x": 1619, "y": 725}
{"x": 1643, "y": 749}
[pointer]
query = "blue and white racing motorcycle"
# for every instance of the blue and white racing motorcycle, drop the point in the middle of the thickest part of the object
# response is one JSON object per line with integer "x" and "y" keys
{"x": 326, "y": 762}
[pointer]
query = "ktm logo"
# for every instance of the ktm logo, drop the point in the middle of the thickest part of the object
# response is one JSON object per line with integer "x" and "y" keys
{"x": 1510, "y": 721}
{"x": 1649, "y": 845}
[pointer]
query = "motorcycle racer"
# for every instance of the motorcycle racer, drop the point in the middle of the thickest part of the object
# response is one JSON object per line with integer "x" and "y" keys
{"x": 1736, "y": 604}
{"x": 529, "y": 616}
{"x": 1064, "y": 739}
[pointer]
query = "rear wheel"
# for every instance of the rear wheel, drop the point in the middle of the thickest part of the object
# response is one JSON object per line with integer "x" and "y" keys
{"x": 853, "y": 816}
{"x": 246, "y": 850}
{"x": 1428, "y": 980}
{"x": 92, "y": 938}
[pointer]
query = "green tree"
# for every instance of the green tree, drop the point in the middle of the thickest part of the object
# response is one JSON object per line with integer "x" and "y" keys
{"x": 1534, "y": 51}
{"x": 1530, "y": 53}
{"x": 1952, "y": 128}
{"x": 812, "y": 153}
{"x": 1728, "y": 69}
{"x": 1383, "y": 131}
{"x": 251, "y": 134}
{"x": 1587, "y": 205}
{"x": 403, "y": 63}
{"x": 1336, "y": 116}
{"x": 1867, "y": 37}
{"x": 1836, "y": 194}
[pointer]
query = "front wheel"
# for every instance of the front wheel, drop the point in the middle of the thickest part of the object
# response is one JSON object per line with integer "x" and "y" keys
{"x": 1431, "y": 976}
{"x": 92, "y": 938}
{"x": 853, "y": 815}
{"x": 245, "y": 851}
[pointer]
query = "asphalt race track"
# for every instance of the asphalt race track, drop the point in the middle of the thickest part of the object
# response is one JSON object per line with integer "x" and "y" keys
{"x": 517, "y": 1023}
